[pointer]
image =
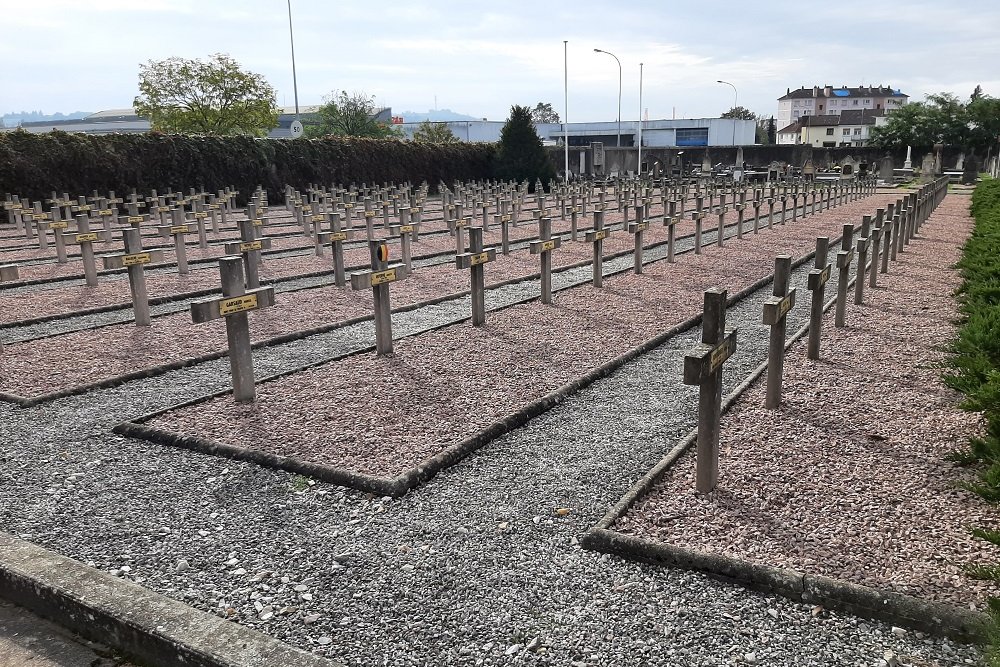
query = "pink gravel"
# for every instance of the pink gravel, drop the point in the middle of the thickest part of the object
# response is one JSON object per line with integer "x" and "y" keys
{"x": 849, "y": 478}
{"x": 114, "y": 290}
{"x": 444, "y": 386}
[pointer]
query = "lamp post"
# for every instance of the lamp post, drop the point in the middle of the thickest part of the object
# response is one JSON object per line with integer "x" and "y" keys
{"x": 736, "y": 104}
{"x": 640, "y": 122}
{"x": 566, "y": 109}
{"x": 291, "y": 39}
{"x": 619, "y": 143}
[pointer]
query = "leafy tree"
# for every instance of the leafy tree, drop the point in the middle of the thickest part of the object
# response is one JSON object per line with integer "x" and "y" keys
{"x": 544, "y": 113}
{"x": 205, "y": 97}
{"x": 350, "y": 115}
{"x": 520, "y": 154}
{"x": 740, "y": 113}
{"x": 434, "y": 133}
{"x": 943, "y": 118}
{"x": 977, "y": 93}
{"x": 772, "y": 131}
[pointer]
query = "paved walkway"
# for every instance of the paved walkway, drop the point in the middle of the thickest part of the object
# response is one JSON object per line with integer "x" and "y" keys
{"x": 26, "y": 639}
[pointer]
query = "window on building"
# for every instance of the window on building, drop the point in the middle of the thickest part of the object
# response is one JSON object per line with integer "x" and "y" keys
{"x": 857, "y": 131}
{"x": 693, "y": 136}
{"x": 855, "y": 103}
{"x": 829, "y": 131}
{"x": 796, "y": 103}
{"x": 847, "y": 131}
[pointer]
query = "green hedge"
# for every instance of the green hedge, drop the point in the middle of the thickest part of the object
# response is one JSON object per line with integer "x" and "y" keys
{"x": 33, "y": 165}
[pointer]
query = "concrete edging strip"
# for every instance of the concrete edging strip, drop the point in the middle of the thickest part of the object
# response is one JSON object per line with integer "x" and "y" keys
{"x": 141, "y": 624}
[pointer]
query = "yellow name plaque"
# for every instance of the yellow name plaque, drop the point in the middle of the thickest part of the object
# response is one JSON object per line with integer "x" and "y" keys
{"x": 237, "y": 304}
{"x": 386, "y": 276}
{"x": 137, "y": 258}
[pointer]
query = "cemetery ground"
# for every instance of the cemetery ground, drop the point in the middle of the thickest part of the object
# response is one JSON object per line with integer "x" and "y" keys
{"x": 482, "y": 563}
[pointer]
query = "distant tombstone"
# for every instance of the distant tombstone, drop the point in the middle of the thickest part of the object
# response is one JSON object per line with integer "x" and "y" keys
{"x": 808, "y": 169}
{"x": 927, "y": 168}
{"x": 908, "y": 163}
{"x": 960, "y": 162}
{"x": 598, "y": 148}
{"x": 885, "y": 169}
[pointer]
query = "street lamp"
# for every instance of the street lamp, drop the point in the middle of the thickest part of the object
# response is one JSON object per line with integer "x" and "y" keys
{"x": 619, "y": 93}
{"x": 295, "y": 83}
{"x": 736, "y": 104}
{"x": 640, "y": 121}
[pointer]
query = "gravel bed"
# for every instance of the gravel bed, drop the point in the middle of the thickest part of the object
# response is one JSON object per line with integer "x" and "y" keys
{"x": 848, "y": 479}
{"x": 84, "y": 357}
{"x": 472, "y": 569}
{"x": 445, "y": 386}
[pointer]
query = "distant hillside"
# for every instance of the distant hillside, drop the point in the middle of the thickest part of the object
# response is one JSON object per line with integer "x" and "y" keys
{"x": 436, "y": 115}
{"x": 14, "y": 118}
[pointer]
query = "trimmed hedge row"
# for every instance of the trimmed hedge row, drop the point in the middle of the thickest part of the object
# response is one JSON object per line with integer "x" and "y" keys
{"x": 33, "y": 165}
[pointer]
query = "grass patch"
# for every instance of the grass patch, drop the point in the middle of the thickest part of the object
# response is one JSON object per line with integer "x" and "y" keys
{"x": 975, "y": 369}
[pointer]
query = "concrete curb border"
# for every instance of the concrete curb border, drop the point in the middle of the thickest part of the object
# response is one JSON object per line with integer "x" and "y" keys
{"x": 933, "y": 617}
{"x": 136, "y": 621}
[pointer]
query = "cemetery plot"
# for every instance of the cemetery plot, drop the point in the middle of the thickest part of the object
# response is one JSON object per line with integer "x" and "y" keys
{"x": 57, "y": 300}
{"x": 70, "y": 363}
{"x": 369, "y": 421}
{"x": 849, "y": 477}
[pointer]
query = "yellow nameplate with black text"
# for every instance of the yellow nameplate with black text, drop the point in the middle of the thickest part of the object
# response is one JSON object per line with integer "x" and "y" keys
{"x": 137, "y": 258}
{"x": 319, "y": 217}
{"x": 237, "y": 304}
{"x": 545, "y": 246}
{"x": 200, "y": 216}
{"x": 386, "y": 276}
{"x": 135, "y": 218}
{"x": 338, "y": 236}
{"x": 720, "y": 354}
{"x": 84, "y": 238}
{"x": 59, "y": 224}
{"x": 180, "y": 229}
{"x": 250, "y": 245}
{"x": 479, "y": 258}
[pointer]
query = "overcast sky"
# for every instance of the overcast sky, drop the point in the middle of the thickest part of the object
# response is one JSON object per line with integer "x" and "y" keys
{"x": 480, "y": 57}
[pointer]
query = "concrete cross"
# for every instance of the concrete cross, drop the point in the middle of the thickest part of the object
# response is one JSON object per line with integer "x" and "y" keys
{"x": 378, "y": 279}
{"x": 817, "y": 280}
{"x": 474, "y": 261}
{"x": 844, "y": 258}
{"x": 134, "y": 258}
{"x": 234, "y": 305}
{"x": 544, "y": 247}
{"x": 596, "y": 237}
{"x": 703, "y": 367}
{"x": 775, "y": 311}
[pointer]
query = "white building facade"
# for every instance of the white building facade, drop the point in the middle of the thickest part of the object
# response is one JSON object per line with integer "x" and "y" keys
{"x": 655, "y": 133}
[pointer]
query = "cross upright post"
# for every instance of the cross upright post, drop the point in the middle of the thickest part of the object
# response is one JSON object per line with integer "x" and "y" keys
{"x": 234, "y": 305}
{"x": 775, "y": 314}
{"x": 817, "y": 280}
{"x": 703, "y": 367}
{"x": 544, "y": 247}
{"x": 474, "y": 261}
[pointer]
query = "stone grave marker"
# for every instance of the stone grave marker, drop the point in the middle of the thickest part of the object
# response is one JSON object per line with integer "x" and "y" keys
{"x": 378, "y": 279}
{"x": 544, "y": 247}
{"x": 817, "y": 280}
{"x": 86, "y": 239}
{"x": 234, "y": 305}
{"x": 135, "y": 259}
{"x": 596, "y": 237}
{"x": 474, "y": 260}
{"x": 862, "y": 249}
{"x": 703, "y": 367}
{"x": 775, "y": 315}
{"x": 844, "y": 259}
